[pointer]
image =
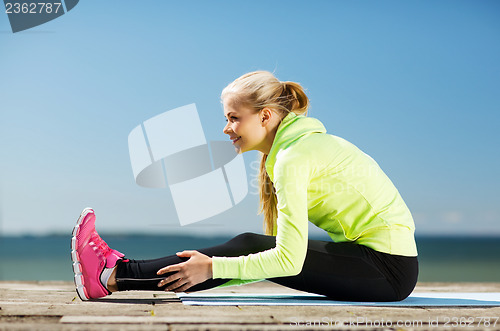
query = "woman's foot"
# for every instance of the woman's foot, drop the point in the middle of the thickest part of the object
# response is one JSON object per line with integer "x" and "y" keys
{"x": 93, "y": 261}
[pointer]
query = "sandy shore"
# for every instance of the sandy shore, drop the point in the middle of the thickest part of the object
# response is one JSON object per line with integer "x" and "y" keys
{"x": 54, "y": 306}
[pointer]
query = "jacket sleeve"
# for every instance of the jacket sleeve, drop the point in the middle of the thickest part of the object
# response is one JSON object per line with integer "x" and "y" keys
{"x": 291, "y": 179}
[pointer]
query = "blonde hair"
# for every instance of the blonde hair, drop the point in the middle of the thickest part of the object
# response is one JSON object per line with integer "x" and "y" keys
{"x": 258, "y": 90}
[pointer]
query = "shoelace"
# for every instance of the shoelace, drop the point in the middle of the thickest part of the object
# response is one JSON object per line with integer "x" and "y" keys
{"x": 101, "y": 244}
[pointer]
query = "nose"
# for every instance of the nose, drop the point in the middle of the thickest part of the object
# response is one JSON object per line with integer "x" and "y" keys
{"x": 227, "y": 128}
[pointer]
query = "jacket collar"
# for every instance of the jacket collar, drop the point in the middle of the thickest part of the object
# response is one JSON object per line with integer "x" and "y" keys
{"x": 292, "y": 128}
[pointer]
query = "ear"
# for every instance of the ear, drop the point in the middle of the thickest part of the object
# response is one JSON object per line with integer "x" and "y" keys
{"x": 266, "y": 115}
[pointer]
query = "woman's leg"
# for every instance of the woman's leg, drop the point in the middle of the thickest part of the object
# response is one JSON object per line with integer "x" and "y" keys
{"x": 141, "y": 274}
{"x": 342, "y": 271}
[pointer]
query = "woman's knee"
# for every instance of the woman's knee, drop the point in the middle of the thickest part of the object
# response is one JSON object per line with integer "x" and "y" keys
{"x": 245, "y": 238}
{"x": 253, "y": 242}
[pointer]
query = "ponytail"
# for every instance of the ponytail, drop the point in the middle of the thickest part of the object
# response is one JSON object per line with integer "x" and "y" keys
{"x": 296, "y": 99}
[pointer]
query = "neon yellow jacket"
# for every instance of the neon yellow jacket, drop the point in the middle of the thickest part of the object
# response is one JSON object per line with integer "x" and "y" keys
{"x": 330, "y": 182}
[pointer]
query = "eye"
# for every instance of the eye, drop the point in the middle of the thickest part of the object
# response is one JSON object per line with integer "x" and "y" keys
{"x": 233, "y": 118}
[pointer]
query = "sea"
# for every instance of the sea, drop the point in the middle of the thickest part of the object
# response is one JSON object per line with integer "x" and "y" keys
{"x": 40, "y": 258}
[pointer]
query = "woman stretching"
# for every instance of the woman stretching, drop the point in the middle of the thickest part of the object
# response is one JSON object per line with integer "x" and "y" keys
{"x": 305, "y": 175}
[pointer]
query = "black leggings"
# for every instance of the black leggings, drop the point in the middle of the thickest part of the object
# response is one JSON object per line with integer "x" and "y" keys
{"x": 341, "y": 271}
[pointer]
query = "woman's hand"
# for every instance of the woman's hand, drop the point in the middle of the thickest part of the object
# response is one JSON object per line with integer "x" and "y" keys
{"x": 189, "y": 273}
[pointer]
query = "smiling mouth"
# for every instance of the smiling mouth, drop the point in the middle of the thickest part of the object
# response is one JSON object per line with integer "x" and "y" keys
{"x": 236, "y": 139}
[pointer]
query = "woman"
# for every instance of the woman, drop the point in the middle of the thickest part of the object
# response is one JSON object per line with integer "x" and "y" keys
{"x": 305, "y": 175}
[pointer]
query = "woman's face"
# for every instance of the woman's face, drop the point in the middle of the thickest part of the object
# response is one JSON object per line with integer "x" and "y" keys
{"x": 244, "y": 127}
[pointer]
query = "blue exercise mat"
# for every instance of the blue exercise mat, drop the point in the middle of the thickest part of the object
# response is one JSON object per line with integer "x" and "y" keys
{"x": 415, "y": 299}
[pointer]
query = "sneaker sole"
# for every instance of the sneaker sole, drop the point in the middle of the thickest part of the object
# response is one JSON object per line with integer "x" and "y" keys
{"x": 77, "y": 269}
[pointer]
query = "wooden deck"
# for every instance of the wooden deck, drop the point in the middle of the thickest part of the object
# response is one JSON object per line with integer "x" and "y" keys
{"x": 54, "y": 306}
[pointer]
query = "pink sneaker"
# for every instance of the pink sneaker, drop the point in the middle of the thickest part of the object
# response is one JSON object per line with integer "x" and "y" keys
{"x": 93, "y": 260}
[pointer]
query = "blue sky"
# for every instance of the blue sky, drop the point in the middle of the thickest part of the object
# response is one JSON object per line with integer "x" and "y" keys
{"x": 414, "y": 84}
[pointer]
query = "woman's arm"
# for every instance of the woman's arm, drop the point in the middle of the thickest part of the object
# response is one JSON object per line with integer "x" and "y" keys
{"x": 292, "y": 173}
